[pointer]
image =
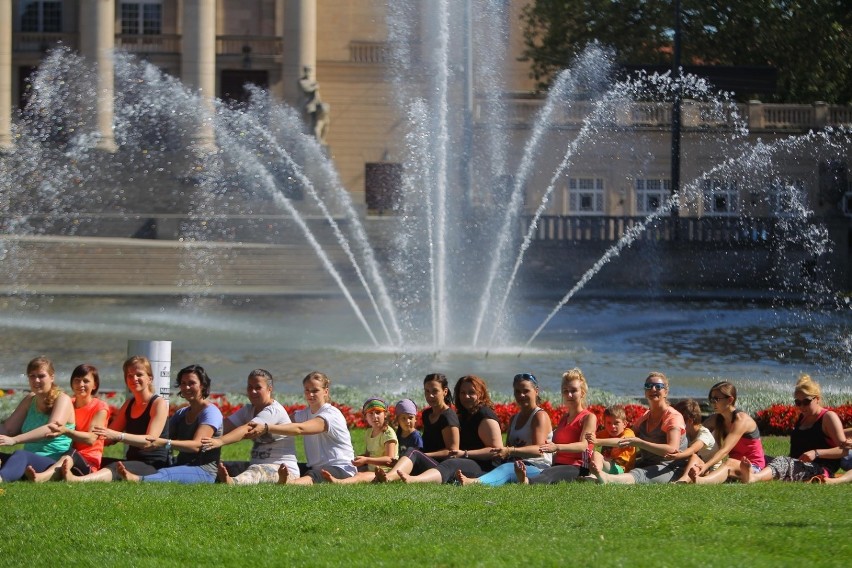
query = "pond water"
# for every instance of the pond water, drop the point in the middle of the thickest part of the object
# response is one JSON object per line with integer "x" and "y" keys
{"x": 616, "y": 342}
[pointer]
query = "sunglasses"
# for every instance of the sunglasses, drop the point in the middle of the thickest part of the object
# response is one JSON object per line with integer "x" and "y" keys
{"x": 655, "y": 386}
{"x": 713, "y": 399}
{"x": 803, "y": 402}
{"x": 525, "y": 377}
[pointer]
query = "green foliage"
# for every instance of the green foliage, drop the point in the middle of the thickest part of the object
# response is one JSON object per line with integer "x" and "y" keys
{"x": 809, "y": 42}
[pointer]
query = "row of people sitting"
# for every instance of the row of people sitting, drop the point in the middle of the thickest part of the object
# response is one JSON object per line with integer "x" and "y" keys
{"x": 64, "y": 437}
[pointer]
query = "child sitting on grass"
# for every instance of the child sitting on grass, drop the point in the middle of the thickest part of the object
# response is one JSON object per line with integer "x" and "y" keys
{"x": 381, "y": 444}
{"x": 405, "y": 417}
{"x": 845, "y": 461}
{"x": 616, "y": 459}
{"x": 702, "y": 444}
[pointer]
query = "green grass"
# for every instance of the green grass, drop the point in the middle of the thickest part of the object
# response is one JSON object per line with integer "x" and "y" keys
{"x": 767, "y": 524}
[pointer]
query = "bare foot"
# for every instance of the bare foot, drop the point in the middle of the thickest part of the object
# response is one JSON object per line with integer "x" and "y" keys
{"x": 692, "y": 474}
{"x": 465, "y": 480}
{"x": 381, "y": 476}
{"x": 125, "y": 473}
{"x": 328, "y": 477}
{"x": 283, "y": 475}
{"x": 222, "y": 475}
{"x": 596, "y": 471}
{"x": 521, "y": 472}
{"x": 46, "y": 475}
{"x": 745, "y": 470}
{"x": 66, "y": 474}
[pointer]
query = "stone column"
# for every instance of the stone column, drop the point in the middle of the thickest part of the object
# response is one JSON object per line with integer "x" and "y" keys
{"x": 97, "y": 38}
{"x": 300, "y": 48}
{"x": 198, "y": 58}
{"x": 5, "y": 75}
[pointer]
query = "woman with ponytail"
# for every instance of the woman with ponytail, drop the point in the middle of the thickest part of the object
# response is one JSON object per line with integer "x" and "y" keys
{"x": 737, "y": 438}
{"x": 34, "y": 423}
{"x": 816, "y": 443}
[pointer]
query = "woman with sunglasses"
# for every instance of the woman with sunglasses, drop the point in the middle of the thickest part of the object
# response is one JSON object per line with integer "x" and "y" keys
{"x": 737, "y": 437}
{"x": 528, "y": 430}
{"x": 815, "y": 443}
{"x": 660, "y": 431}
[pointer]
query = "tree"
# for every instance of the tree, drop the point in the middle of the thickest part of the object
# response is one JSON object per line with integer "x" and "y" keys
{"x": 808, "y": 42}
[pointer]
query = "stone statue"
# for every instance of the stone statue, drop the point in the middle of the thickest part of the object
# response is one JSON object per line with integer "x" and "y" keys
{"x": 316, "y": 110}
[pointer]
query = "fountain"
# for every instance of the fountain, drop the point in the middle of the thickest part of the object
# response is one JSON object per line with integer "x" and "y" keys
{"x": 444, "y": 287}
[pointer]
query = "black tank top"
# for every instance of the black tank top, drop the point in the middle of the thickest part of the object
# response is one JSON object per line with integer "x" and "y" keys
{"x": 158, "y": 457}
{"x": 813, "y": 438}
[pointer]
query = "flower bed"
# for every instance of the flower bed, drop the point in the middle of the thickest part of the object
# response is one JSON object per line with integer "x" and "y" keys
{"x": 776, "y": 420}
{"x": 779, "y": 419}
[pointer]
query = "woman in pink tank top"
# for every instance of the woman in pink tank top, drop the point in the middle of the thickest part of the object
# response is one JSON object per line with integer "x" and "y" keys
{"x": 737, "y": 437}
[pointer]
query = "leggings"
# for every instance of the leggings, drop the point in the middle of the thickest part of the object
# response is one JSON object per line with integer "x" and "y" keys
{"x": 505, "y": 473}
{"x": 557, "y": 473}
{"x": 421, "y": 462}
{"x": 137, "y": 467}
{"x": 14, "y": 467}
{"x": 448, "y": 469}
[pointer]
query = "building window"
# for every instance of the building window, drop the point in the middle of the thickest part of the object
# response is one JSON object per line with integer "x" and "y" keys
{"x": 585, "y": 196}
{"x": 651, "y": 194}
{"x": 143, "y": 17}
{"x": 41, "y": 16}
{"x": 720, "y": 197}
{"x": 787, "y": 196}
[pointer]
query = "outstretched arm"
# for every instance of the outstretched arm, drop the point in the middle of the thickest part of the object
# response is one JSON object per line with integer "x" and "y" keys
{"x": 451, "y": 443}
{"x": 590, "y": 425}
{"x": 81, "y": 436}
{"x": 62, "y": 412}
{"x": 159, "y": 415}
{"x": 310, "y": 427}
{"x": 12, "y": 425}
{"x": 490, "y": 435}
{"x": 233, "y": 434}
{"x": 387, "y": 459}
{"x": 540, "y": 428}
{"x": 672, "y": 445}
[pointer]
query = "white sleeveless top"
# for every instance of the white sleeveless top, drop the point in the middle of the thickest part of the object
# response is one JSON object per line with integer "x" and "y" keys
{"x": 523, "y": 437}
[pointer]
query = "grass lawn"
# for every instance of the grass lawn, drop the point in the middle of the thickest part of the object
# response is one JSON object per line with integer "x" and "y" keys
{"x": 769, "y": 524}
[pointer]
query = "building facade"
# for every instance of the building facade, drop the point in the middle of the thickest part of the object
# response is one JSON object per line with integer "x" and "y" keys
{"x": 340, "y": 47}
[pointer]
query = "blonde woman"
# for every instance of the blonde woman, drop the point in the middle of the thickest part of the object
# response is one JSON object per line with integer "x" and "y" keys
{"x": 569, "y": 443}
{"x": 30, "y": 424}
{"x": 660, "y": 431}
{"x": 142, "y": 416}
{"x": 815, "y": 443}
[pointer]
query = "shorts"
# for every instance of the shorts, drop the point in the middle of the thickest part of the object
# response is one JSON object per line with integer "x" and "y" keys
{"x": 658, "y": 473}
{"x": 336, "y": 472}
{"x": 258, "y": 473}
{"x": 786, "y": 468}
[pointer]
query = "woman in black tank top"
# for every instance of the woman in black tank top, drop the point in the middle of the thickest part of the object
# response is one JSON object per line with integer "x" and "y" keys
{"x": 815, "y": 444}
{"x": 142, "y": 416}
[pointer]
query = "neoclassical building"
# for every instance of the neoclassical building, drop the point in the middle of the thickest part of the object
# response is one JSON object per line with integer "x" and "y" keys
{"x": 297, "y": 47}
